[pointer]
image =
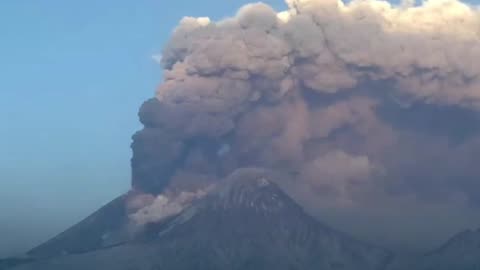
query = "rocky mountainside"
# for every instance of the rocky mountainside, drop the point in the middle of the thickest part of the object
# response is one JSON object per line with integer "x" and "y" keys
{"x": 247, "y": 222}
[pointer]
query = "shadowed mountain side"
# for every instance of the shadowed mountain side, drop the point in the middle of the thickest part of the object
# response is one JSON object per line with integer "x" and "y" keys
{"x": 94, "y": 232}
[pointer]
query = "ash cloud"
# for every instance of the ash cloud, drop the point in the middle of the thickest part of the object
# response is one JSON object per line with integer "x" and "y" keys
{"x": 364, "y": 105}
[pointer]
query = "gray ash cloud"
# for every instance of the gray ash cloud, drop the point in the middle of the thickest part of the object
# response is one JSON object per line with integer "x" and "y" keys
{"x": 364, "y": 105}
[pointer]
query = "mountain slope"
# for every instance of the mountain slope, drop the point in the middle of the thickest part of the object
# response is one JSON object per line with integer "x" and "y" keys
{"x": 248, "y": 222}
{"x": 87, "y": 235}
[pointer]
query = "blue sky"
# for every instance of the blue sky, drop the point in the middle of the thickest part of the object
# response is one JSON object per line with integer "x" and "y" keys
{"x": 73, "y": 74}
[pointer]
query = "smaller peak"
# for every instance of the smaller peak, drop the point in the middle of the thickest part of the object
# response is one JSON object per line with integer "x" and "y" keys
{"x": 465, "y": 240}
{"x": 466, "y": 235}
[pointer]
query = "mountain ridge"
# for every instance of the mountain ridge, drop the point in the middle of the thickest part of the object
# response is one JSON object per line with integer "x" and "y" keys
{"x": 247, "y": 222}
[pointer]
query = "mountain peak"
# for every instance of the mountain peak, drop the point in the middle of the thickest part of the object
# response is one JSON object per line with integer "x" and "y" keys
{"x": 250, "y": 177}
{"x": 251, "y": 188}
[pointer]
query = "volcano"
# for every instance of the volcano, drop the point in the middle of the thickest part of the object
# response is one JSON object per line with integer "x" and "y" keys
{"x": 245, "y": 222}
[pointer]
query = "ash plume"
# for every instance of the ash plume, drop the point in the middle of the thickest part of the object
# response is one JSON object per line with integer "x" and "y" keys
{"x": 363, "y": 105}
{"x": 164, "y": 206}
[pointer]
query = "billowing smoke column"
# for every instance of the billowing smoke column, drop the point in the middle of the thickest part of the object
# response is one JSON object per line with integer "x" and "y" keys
{"x": 357, "y": 102}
